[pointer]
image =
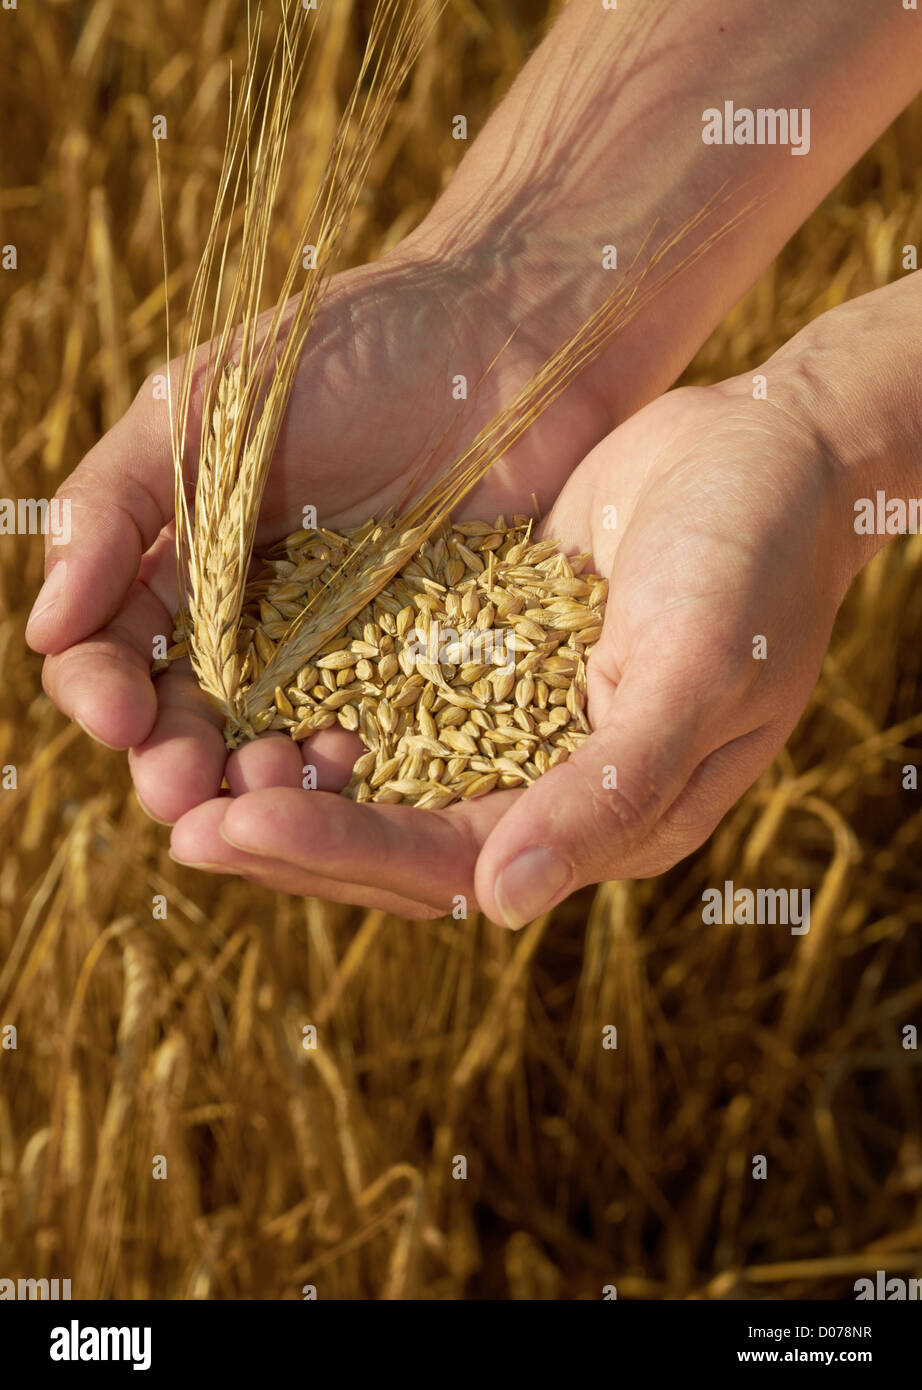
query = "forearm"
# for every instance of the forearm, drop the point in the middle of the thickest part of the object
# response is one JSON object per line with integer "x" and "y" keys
{"x": 600, "y": 138}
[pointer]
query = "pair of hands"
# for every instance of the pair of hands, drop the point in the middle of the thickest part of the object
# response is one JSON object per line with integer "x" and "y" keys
{"x": 725, "y": 511}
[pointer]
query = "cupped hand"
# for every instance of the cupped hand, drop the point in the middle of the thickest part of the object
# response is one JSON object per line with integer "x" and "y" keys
{"x": 372, "y": 397}
{"x": 721, "y": 525}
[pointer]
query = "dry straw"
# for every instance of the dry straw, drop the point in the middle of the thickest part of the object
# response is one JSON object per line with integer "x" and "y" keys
{"x": 246, "y": 379}
{"x": 249, "y": 376}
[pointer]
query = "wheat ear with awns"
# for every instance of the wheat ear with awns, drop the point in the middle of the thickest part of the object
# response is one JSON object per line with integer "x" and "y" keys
{"x": 248, "y": 374}
{"x": 248, "y": 379}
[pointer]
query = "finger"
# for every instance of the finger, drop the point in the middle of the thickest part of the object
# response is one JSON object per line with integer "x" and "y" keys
{"x": 119, "y": 499}
{"x": 579, "y": 821}
{"x": 196, "y": 841}
{"x": 426, "y": 856}
{"x": 274, "y": 760}
{"x": 104, "y": 682}
{"x": 270, "y": 761}
{"x": 181, "y": 762}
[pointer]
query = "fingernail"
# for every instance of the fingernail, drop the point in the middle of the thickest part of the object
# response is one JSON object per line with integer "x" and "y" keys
{"x": 527, "y": 885}
{"x": 49, "y": 593}
{"x": 200, "y": 864}
{"x": 148, "y": 812}
{"x": 95, "y": 737}
{"x": 255, "y": 850}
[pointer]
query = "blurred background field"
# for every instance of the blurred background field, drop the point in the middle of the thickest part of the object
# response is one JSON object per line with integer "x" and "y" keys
{"x": 182, "y": 1036}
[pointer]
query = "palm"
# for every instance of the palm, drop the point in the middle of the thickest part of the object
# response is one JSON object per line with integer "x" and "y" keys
{"x": 706, "y": 554}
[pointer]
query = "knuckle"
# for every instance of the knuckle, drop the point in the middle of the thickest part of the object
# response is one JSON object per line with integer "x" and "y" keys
{"x": 620, "y": 813}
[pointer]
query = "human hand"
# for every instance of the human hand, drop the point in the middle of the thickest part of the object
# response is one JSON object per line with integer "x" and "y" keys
{"x": 729, "y": 535}
{"x": 373, "y": 394}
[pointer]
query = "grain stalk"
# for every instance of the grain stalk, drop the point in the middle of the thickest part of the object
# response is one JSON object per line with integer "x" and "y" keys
{"x": 246, "y": 379}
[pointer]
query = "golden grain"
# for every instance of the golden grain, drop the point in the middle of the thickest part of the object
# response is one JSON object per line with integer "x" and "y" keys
{"x": 407, "y": 685}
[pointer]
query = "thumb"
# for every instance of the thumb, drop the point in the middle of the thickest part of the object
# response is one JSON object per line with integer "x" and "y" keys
{"x": 584, "y": 820}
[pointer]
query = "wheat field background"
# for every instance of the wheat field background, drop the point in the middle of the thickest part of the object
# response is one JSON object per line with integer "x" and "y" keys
{"x": 181, "y": 1035}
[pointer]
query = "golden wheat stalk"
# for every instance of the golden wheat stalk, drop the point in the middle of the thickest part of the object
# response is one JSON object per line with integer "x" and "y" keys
{"x": 249, "y": 370}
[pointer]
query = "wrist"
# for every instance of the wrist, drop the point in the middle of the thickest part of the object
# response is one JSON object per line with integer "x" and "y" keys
{"x": 519, "y": 285}
{"x": 526, "y": 276}
{"x": 850, "y": 380}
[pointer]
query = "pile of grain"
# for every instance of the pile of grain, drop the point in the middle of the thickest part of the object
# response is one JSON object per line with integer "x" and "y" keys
{"x": 466, "y": 673}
